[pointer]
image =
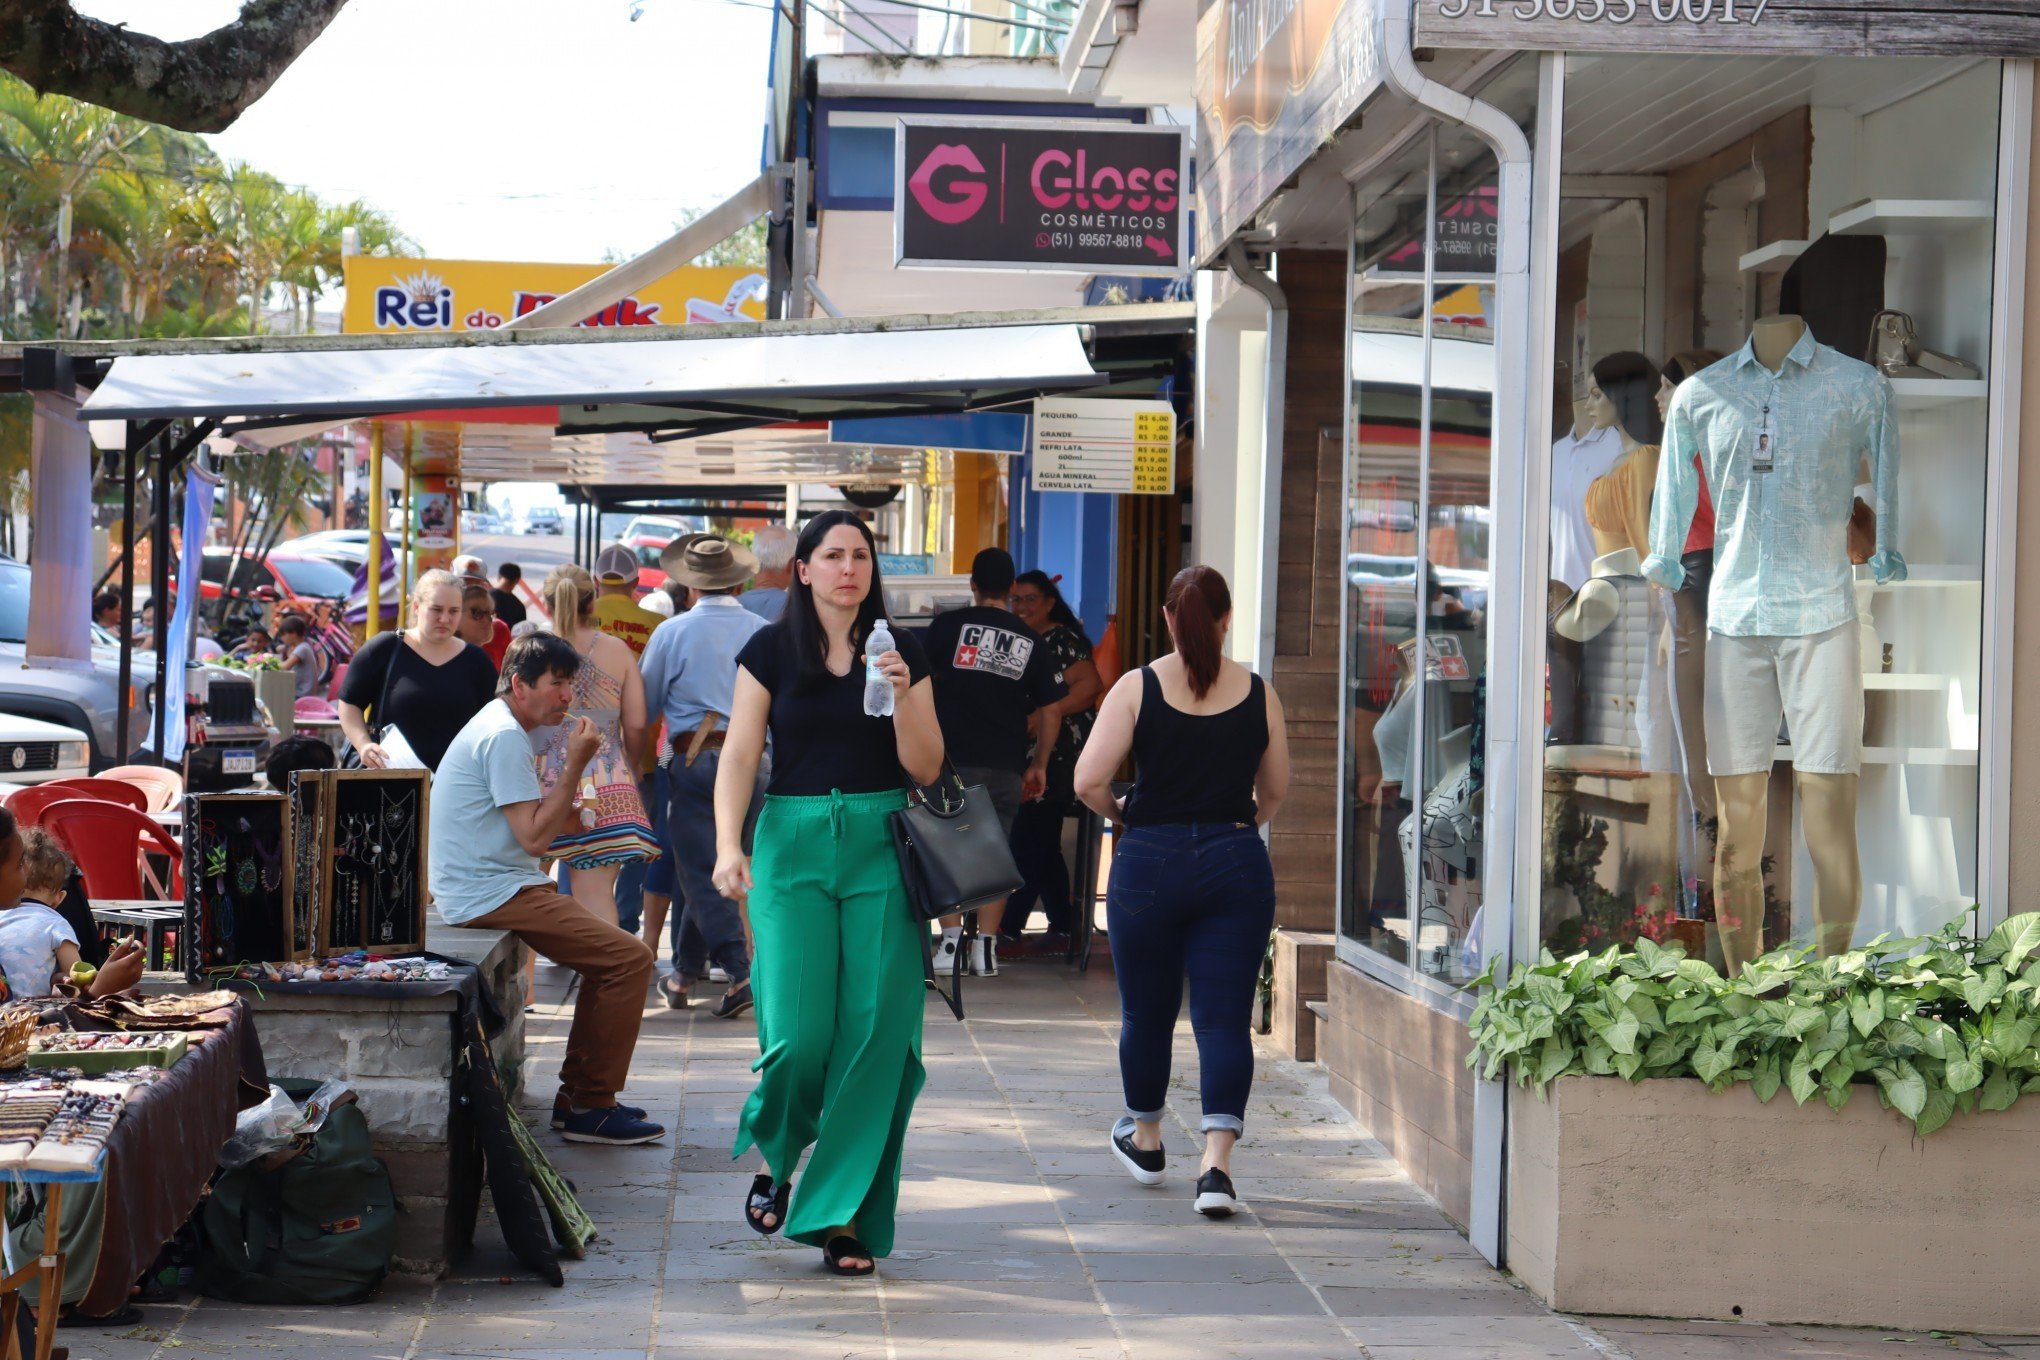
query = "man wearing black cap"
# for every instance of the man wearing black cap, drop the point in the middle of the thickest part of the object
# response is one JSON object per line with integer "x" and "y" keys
{"x": 995, "y": 683}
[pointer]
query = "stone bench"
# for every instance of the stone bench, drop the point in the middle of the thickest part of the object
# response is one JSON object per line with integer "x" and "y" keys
{"x": 399, "y": 1057}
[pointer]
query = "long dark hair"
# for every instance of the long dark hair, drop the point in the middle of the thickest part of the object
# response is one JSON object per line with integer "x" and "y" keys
{"x": 1059, "y": 610}
{"x": 802, "y": 625}
{"x": 1197, "y": 600}
{"x": 1630, "y": 382}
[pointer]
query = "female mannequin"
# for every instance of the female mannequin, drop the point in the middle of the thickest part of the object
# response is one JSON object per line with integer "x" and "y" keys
{"x": 1622, "y": 397}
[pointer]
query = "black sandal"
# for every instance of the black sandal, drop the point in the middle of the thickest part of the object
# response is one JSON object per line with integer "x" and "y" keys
{"x": 843, "y": 1246}
{"x": 765, "y": 1198}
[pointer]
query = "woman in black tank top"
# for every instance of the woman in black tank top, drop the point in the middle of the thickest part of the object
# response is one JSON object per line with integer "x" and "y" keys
{"x": 1192, "y": 891}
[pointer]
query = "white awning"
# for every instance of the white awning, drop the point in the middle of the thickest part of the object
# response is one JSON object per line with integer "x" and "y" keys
{"x": 750, "y": 371}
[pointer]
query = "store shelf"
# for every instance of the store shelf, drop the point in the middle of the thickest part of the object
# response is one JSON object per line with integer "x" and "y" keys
{"x": 1910, "y": 216}
{"x": 1900, "y": 681}
{"x": 1926, "y": 578}
{"x": 1920, "y": 394}
{"x": 1901, "y": 755}
{"x": 1774, "y": 258}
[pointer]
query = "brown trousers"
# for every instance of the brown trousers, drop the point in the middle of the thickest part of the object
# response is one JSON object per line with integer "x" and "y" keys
{"x": 615, "y": 968}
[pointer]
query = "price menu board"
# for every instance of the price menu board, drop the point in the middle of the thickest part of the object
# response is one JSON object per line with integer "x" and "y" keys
{"x": 1092, "y": 444}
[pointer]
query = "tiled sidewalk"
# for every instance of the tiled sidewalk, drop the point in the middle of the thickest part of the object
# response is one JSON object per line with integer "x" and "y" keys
{"x": 1019, "y": 1237}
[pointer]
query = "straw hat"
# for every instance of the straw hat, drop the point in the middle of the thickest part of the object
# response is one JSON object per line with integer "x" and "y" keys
{"x": 708, "y": 563}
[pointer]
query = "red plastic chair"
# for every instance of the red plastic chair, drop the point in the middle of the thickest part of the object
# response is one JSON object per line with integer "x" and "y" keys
{"x": 106, "y": 791}
{"x": 28, "y": 805}
{"x": 109, "y": 842}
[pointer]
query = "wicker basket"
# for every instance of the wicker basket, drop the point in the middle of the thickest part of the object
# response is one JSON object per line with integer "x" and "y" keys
{"x": 17, "y": 1027}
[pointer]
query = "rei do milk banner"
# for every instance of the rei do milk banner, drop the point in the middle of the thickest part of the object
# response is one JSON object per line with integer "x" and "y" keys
{"x": 394, "y": 296}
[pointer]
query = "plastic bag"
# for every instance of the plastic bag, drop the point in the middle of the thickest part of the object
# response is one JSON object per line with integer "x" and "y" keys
{"x": 320, "y": 1103}
{"x": 269, "y": 1127}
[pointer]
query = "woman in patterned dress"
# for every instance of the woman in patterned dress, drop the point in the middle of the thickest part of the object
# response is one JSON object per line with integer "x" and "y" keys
{"x": 609, "y": 693}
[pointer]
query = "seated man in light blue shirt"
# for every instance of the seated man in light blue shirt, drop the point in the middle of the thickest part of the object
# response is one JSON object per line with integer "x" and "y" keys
{"x": 490, "y": 822}
{"x": 690, "y": 674}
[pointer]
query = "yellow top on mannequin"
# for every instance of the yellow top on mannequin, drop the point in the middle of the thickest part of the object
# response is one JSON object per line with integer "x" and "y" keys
{"x": 1773, "y": 337}
{"x": 1618, "y": 504}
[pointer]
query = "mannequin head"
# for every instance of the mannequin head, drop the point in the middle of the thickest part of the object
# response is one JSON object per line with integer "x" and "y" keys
{"x": 1620, "y": 396}
{"x": 1677, "y": 369}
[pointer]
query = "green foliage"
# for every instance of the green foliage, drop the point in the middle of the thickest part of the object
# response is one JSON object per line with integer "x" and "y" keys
{"x": 1939, "y": 1024}
{"x": 164, "y": 239}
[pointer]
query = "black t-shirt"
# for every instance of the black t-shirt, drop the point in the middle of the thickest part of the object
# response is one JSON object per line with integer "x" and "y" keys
{"x": 821, "y": 738}
{"x": 991, "y": 672}
{"x": 509, "y": 608}
{"x": 429, "y": 703}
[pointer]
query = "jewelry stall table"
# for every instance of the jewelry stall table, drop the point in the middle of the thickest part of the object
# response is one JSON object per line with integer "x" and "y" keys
{"x": 47, "y": 1270}
{"x": 158, "y": 1159}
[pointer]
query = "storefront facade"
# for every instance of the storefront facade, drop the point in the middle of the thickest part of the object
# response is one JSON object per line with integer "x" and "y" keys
{"x": 1513, "y": 232}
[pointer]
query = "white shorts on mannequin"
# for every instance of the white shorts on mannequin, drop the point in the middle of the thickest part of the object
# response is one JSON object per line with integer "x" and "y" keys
{"x": 1815, "y": 682}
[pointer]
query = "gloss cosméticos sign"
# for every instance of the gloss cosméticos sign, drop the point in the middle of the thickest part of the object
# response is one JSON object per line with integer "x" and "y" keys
{"x": 1080, "y": 195}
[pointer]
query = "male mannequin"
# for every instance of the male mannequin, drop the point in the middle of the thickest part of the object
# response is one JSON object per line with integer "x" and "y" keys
{"x": 1780, "y": 429}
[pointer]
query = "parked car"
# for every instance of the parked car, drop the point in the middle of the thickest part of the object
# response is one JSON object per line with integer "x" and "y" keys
{"x": 543, "y": 519}
{"x": 87, "y": 701}
{"x": 34, "y": 752}
{"x": 647, "y": 536}
{"x": 285, "y": 575}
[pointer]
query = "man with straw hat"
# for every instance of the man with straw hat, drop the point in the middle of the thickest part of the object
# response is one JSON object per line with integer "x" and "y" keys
{"x": 690, "y": 673}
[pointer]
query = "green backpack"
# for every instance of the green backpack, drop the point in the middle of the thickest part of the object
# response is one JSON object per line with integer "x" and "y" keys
{"x": 321, "y": 1228}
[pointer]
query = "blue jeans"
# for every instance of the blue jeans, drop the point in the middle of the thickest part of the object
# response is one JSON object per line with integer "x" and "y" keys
{"x": 1196, "y": 899}
{"x": 690, "y": 827}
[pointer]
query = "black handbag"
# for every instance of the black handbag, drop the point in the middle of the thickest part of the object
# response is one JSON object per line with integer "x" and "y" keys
{"x": 954, "y": 858}
{"x": 350, "y": 759}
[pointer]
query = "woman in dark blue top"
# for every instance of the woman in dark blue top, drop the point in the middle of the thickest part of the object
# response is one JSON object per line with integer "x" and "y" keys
{"x": 1192, "y": 889}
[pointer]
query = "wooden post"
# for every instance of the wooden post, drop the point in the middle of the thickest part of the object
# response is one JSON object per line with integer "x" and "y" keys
{"x": 378, "y": 515}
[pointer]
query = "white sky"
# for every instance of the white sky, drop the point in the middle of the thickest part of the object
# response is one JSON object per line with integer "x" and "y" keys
{"x": 508, "y": 129}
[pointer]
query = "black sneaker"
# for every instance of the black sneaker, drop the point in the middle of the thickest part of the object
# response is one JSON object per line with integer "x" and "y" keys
{"x": 1146, "y": 1167}
{"x": 1215, "y": 1197}
{"x": 735, "y": 1001}
{"x": 613, "y": 1125}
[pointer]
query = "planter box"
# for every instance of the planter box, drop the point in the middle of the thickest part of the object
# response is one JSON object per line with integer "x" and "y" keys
{"x": 1663, "y": 1200}
{"x": 278, "y": 692}
{"x": 1300, "y": 960}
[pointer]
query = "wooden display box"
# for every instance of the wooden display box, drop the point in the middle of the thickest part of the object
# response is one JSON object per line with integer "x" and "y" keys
{"x": 166, "y": 1049}
{"x": 370, "y": 856}
{"x": 239, "y": 881}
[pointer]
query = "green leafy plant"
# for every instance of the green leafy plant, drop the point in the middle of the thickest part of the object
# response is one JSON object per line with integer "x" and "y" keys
{"x": 1940, "y": 1023}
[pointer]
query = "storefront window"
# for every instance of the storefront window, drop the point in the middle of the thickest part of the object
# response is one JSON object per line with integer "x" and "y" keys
{"x": 1764, "y": 642}
{"x": 1418, "y": 569}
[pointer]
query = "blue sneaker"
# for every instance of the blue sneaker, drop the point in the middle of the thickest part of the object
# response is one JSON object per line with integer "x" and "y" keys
{"x": 611, "y": 1124}
{"x": 562, "y": 1107}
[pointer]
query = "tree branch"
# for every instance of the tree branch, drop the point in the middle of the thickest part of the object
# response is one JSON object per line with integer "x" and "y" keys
{"x": 200, "y": 85}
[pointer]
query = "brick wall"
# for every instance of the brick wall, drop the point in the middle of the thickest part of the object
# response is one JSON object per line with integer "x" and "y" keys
{"x": 1311, "y": 555}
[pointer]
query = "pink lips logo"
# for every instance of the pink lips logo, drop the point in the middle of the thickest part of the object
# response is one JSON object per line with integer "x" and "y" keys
{"x": 965, "y": 196}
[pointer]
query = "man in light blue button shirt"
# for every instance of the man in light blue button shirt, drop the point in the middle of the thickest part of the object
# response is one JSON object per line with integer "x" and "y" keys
{"x": 1780, "y": 452}
{"x": 690, "y": 674}
{"x": 1779, "y": 430}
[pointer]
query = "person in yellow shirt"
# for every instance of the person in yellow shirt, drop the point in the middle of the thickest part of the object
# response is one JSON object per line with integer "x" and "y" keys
{"x": 618, "y": 614}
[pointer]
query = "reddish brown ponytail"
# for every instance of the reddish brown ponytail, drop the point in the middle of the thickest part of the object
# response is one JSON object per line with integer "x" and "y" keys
{"x": 1196, "y": 602}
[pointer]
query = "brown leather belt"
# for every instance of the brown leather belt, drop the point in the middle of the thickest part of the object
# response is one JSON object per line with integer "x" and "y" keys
{"x": 689, "y": 745}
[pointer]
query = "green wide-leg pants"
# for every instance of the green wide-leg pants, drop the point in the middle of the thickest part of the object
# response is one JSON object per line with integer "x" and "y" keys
{"x": 838, "y": 984}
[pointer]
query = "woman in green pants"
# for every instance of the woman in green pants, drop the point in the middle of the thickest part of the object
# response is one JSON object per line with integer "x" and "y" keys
{"x": 838, "y": 970}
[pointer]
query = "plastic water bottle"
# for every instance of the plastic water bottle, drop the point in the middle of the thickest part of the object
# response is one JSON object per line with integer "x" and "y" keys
{"x": 878, "y": 691}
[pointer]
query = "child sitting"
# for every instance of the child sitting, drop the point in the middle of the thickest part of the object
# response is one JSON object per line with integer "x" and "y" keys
{"x": 36, "y": 944}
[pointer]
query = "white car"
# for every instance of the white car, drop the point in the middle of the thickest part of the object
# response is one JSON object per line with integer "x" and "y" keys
{"x": 35, "y": 752}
